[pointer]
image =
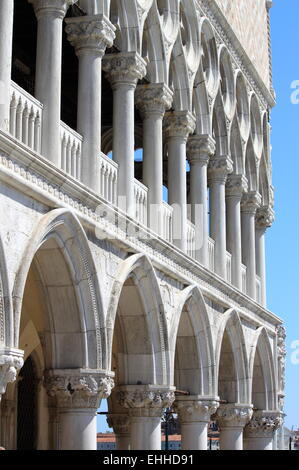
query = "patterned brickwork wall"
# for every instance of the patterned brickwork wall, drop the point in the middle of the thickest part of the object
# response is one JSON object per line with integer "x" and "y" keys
{"x": 248, "y": 19}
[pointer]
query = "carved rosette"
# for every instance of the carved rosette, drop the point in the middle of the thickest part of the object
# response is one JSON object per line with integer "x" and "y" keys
{"x": 119, "y": 422}
{"x": 219, "y": 168}
{"x": 263, "y": 424}
{"x": 77, "y": 389}
{"x": 179, "y": 124}
{"x": 90, "y": 34}
{"x": 154, "y": 98}
{"x": 232, "y": 415}
{"x": 145, "y": 402}
{"x": 55, "y": 8}
{"x": 264, "y": 217}
{"x": 195, "y": 410}
{"x": 236, "y": 185}
{"x": 11, "y": 360}
{"x": 125, "y": 67}
{"x": 200, "y": 148}
{"x": 251, "y": 201}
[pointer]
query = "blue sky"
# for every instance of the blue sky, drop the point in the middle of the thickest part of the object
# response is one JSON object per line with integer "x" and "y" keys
{"x": 282, "y": 238}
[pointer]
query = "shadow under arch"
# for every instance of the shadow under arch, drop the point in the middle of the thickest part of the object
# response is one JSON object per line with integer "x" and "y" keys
{"x": 192, "y": 345}
{"x": 232, "y": 360}
{"x": 137, "y": 273}
{"x": 60, "y": 235}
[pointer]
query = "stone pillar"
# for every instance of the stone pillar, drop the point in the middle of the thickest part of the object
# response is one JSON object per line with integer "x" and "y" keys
{"x": 199, "y": 150}
{"x": 231, "y": 419}
{"x": 250, "y": 203}
{"x": 123, "y": 71}
{"x": 260, "y": 430}
{"x": 153, "y": 100}
{"x": 6, "y": 34}
{"x": 218, "y": 171}
{"x": 77, "y": 395}
{"x": 121, "y": 427}
{"x": 145, "y": 404}
{"x": 50, "y": 14}
{"x": 264, "y": 219}
{"x": 90, "y": 35}
{"x": 195, "y": 415}
{"x": 177, "y": 127}
{"x": 235, "y": 187}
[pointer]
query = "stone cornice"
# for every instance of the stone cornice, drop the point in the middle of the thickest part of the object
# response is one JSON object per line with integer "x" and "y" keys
{"x": 30, "y": 173}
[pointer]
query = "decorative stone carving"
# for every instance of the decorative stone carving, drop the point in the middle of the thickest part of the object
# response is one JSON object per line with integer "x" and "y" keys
{"x": 57, "y": 8}
{"x": 263, "y": 424}
{"x": 90, "y": 34}
{"x": 251, "y": 202}
{"x": 119, "y": 422}
{"x": 125, "y": 67}
{"x": 154, "y": 98}
{"x": 236, "y": 185}
{"x": 11, "y": 360}
{"x": 219, "y": 168}
{"x": 264, "y": 217}
{"x": 195, "y": 410}
{"x": 233, "y": 415}
{"x": 281, "y": 355}
{"x": 78, "y": 389}
{"x": 200, "y": 148}
{"x": 144, "y": 401}
{"x": 179, "y": 124}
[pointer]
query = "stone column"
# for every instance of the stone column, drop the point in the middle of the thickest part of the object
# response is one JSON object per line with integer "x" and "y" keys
{"x": 177, "y": 127}
{"x": 145, "y": 404}
{"x": 249, "y": 205}
{"x": 195, "y": 415}
{"x": 235, "y": 187}
{"x": 231, "y": 419}
{"x": 259, "y": 432}
{"x": 153, "y": 100}
{"x": 199, "y": 150}
{"x": 77, "y": 395}
{"x": 218, "y": 171}
{"x": 264, "y": 220}
{"x": 90, "y": 35}
{"x": 123, "y": 71}
{"x": 6, "y": 34}
{"x": 121, "y": 427}
{"x": 50, "y": 14}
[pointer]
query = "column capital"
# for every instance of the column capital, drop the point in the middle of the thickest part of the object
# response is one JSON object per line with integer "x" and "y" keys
{"x": 90, "y": 34}
{"x": 124, "y": 68}
{"x": 119, "y": 422}
{"x": 78, "y": 388}
{"x": 251, "y": 201}
{"x": 55, "y": 8}
{"x": 236, "y": 185}
{"x": 154, "y": 98}
{"x": 219, "y": 168}
{"x": 11, "y": 360}
{"x": 264, "y": 217}
{"x": 179, "y": 124}
{"x": 233, "y": 415}
{"x": 145, "y": 400}
{"x": 195, "y": 409}
{"x": 263, "y": 423}
{"x": 200, "y": 148}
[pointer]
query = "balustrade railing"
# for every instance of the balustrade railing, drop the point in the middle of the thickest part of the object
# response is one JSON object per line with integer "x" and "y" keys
{"x": 190, "y": 239}
{"x": 211, "y": 249}
{"x": 228, "y": 267}
{"x": 108, "y": 175}
{"x": 71, "y": 151}
{"x": 258, "y": 289}
{"x": 166, "y": 221}
{"x": 244, "y": 278}
{"x": 140, "y": 193}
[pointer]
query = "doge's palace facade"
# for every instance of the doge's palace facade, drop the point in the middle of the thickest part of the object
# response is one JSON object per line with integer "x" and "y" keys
{"x": 126, "y": 277}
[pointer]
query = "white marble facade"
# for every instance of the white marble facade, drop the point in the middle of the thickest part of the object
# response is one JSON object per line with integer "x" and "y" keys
{"x": 106, "y": 290}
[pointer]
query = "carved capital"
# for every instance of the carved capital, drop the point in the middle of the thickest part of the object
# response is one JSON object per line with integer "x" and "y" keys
{"x": 11, "y": 360}
{"x": 233, "y": 415}
{"x": 200, "y": 148}
{"x": 154, "y": 98}
{"x": 54, "y": 8}
{"x": 263, "y": 424}
{"x": 219, "y": 168}
{"x": 90, "y": 34}
{"x": 78, "y": 388}
{"x": 179, "y": 124}
{"x": 264, "y": 217}
{"x": 191, "y": 409}
{"x": 236, "y": 185}
{"x": 142, "y": 400}
{"x": 124, "y": 68}
{"x": 251, "y": 201}
{"x": 119, "y": 422}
